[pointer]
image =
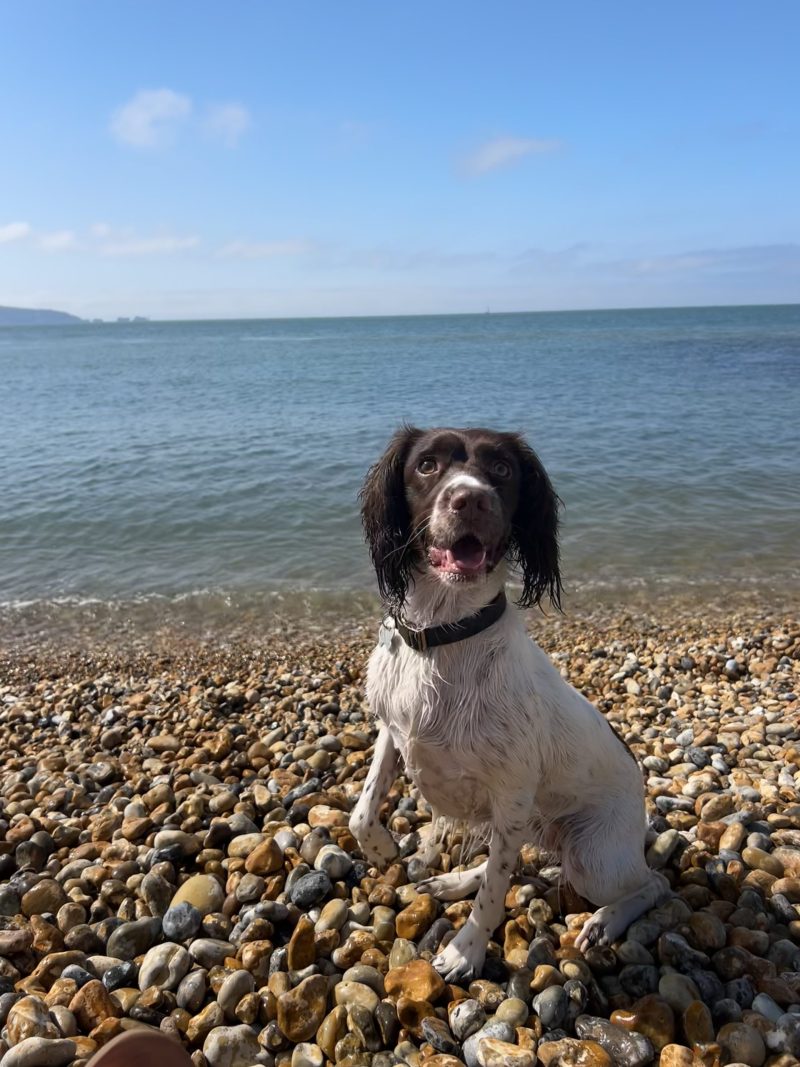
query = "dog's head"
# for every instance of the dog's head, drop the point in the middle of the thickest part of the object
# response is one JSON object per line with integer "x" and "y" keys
{"x": 457, "y": 502}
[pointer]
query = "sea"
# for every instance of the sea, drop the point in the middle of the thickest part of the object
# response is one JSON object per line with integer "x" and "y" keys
{"x": 190, "y": 470}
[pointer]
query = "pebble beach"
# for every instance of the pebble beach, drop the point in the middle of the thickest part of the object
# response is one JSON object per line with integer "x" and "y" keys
{"x": 174, "y": 853}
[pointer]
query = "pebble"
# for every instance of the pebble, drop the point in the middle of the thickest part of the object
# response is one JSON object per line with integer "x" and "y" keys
{"x": 551, "y": 1006}
{"x": 307, "y": 1055}
{"x": 628, "y": 1049}
{"x": 569, "y": 1052}
{"x": 334, "y": 861}
{"x": 417, "y": 980}
{"x": 741, "y": 1043}
{"x": 350, "y": 993}
{"x": 29, "y": 1017}
{"x": 133, "y": 938}
{"x": 495, "y": 1053}
{"x": 466, "y": 1017}
{"x": 437, "y": 1033}
{"x": 234, "y": 1046}
{"x": 301, "y": 1010}
{"x": 41, "y": 1052}
{"x": 182, "y": 921}
{"x": 202, "y": 891}
{"x": 164, "y": 966}
{"x": 415, "y": 920}
{"x": 310, "y": 889}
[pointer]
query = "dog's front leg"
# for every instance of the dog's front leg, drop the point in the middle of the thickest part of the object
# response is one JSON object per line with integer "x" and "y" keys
{"x": 373, "y": 838}
{"x": 463, "y": 958}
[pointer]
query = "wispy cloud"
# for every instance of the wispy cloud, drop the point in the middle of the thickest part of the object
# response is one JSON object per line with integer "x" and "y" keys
{"x": 227, "y": 123}
{"x": 502, "y": 152}
{"x": 147, "y": 246}
{"x": 265, "y": 249}
{"x": 58, "y": 241}
{"x": 14, "y": 231}
{"x": 759, "y": 259}
{"x": 396, "y": 259}
{"x": 150, "y": 117}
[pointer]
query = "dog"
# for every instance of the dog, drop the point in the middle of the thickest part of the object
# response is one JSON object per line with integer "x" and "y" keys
{"x": 481, "y": 719}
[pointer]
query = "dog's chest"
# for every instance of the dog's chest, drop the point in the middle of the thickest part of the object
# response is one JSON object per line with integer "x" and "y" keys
{"x": 438, "y": 720}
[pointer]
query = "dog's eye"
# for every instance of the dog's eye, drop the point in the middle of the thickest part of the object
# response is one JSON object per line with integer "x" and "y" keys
{"x": 428, "y": 465}
{"x": 501, "y": 469}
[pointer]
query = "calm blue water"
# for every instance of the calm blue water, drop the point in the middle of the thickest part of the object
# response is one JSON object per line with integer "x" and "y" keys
{"x": 187, "y": 458}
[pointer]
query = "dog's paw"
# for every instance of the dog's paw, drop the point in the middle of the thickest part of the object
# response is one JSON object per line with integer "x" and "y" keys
{"x": 596, "y": 931}
{"x": 378, "y": 846}
{"x": 441, "y": 887}
{"x": 460, "y": 963}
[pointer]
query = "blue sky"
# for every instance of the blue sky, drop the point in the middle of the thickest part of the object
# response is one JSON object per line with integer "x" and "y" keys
{"x": 189, "y": 159}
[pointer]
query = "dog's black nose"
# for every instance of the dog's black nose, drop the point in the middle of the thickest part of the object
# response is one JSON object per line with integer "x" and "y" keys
{"x": 470, "y": 500}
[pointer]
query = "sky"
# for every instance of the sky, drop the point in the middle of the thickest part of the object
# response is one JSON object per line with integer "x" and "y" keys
{"x": 204, "y": 160}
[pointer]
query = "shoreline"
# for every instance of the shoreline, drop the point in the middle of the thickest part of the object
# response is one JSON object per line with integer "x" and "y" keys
{"x": 249, "y": 620}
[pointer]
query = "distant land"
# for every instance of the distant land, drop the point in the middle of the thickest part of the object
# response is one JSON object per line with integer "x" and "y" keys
{"x": 35, "y": 317}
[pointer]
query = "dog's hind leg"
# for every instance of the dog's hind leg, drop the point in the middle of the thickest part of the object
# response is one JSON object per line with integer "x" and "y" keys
{"x": 373, "y": 838}
{"x": 603, "y": 860}
{"x": 453, "y": 886}
{"x": 612, "y": 920}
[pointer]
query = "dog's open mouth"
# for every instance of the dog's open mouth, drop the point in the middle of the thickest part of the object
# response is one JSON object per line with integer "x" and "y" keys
{"x": 467, "y": 556}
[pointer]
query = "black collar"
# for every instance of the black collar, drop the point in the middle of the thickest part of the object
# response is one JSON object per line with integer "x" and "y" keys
{"x": 447, "y": 634}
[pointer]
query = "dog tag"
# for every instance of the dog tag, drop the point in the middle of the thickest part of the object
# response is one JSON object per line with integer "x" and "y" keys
{"x": 386, "y": 633}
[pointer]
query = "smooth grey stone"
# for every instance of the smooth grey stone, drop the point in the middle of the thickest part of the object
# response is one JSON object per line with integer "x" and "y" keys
{"x": 120, "y": 975}
{"x": 192, "y": 991}
{"x": 767, "y": 1007}
{"x": 334, "y": 861}
{"x": 541, "y": 951}
{"x": 133, "y": 938}
{"x": 310, "y": 889}
{"x": 466, "y": 1019}
{"x": 182, "y": 922}
{"x": 519, "y": 985}
{"x": 551, "y": 1006}
{"x": 437, "y": 1033}
{"x": 388, "y": 1023}
{"x": 430, "y": 941}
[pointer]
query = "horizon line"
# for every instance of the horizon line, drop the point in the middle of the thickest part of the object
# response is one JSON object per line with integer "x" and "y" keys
{"x": 139, "y": 320}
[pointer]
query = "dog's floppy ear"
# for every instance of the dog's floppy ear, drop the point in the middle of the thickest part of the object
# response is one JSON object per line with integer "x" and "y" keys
{"x": 387, "y": 519}
{"x": 534, "y": 534}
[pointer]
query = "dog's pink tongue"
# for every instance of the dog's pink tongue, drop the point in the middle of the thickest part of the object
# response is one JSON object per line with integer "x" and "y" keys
{"x": 465, "y": 557}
